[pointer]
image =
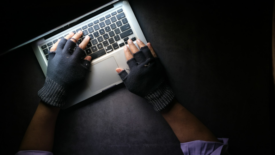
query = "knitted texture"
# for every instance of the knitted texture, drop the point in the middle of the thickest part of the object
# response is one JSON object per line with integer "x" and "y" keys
{"x": 66, "y": 68}
{"x": 147, "y": 79}
{"x": 161, "y": 97}
{"x": 52, "y": 93}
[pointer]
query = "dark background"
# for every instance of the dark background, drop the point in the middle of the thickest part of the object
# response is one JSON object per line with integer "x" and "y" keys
{"x": 217, "y": 56}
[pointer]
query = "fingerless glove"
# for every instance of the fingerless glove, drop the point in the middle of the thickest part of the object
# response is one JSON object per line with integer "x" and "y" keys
{"x": 146, "y": 79}
{"x": 66, "y": 67}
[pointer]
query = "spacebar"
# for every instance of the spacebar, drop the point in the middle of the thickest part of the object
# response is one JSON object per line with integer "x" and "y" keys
{"x": 126, "y": 33}
{"x": 98, "y": 54}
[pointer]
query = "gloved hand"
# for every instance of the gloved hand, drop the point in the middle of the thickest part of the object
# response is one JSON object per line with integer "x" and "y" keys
{"x": 66, "y": 67}
{"x": 146, "y": 77}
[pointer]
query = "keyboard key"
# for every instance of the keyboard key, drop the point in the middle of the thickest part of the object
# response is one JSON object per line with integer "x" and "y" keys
{"x": 95, "y": 22}
{"x": 50, "y": 48}
{"x": 124, "y": 20}
{"x": 94, "y": 49}
{"x": 91, "y": 36}
{"x": 107, "y": 29}
{"x": 111, "y": 40}
{"x": 50, "y": 44}
{"x": 118, "y": 23}
{"x": 111, "y": 33}
{"x": 113, "y": 26}
{"x": 124, "y": 27}
{"x": 115, "y": 46}
{"x": 117, "y": 38}
{"x": 99, "y": 46}
{"x": 122, "y": 44}
{"x": 96, "y": 34}
{"x": 89, "y": 44}
{"x": 106, "y": 36}
{"x": 102, "y": 24}
{"x": 108, "y": 16}
{"x": 114, "y": 13}
{"x": 78, "y": 29}
{"x": 101, "y": 19}
{"x": 101, "y": 31}
{"x": 88, "y": 51}
{"x": 108, "y": 22}
{"x": 47, "y": 57}
{"x": 84, "y": 27}
{"x": 100, "y": 39}
{"x": 120, "y": 16}
{"x": 105, "y": 43}
{"x": 117, "y": 31}
{"x": 133, "y": 39}
{"x": 126, "y": 33}
{"x": 109, "y": 49}
{"x": 94, "y": 41}
{"x": 91, "y": 30}
{"x": 126, "y": 39}
{"x": 126, "y": 42}
{"x": 74, "y": 32}
{"x": 45, "y": 51}
{"x": 55, "y": 41}
{"x": 98, "y": 54}
{"x": 91, "y": 24}
{"x": 85, "y": 32}
{"x": 120, "y": 10}
{"x": 44, "y": 46}
{"x": 113, "y": 19}
{"x": 96, "y": 27}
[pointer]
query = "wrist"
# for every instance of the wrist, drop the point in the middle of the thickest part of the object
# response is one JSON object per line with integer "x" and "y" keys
{"x": 161, "y": 97}
{"x": 52, "y": 93}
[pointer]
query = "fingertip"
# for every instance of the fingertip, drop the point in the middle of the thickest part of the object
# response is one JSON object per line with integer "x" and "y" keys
{"x": 88, "y": 58}
{"x": 118, "y": 70}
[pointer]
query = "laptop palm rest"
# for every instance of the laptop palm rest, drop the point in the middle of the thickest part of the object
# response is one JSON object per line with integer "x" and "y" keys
{"x": 103, "y": 75}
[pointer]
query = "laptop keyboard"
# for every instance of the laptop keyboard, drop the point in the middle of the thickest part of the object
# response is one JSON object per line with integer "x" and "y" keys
{"x": 104, "y": 32}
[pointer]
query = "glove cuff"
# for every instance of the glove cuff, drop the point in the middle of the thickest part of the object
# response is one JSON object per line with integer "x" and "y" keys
{"x": 161, "y": 97}
{"x": 52, "y": 93}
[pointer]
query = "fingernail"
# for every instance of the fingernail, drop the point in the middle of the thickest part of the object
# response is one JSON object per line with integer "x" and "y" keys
{"x": 86, "y": 36}
{"x": 79, "y": 31}
{"x": 71, "y": 32}
{"x": 138, "y": 40}
{"x": 130, "y": 41}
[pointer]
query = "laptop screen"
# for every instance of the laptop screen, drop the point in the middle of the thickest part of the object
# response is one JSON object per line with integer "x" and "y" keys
{"x": 27, "y": 20}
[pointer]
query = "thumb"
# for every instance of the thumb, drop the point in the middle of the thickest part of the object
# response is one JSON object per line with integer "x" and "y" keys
{"x": 118, "y": 70}
{"x": 122, "y": 73}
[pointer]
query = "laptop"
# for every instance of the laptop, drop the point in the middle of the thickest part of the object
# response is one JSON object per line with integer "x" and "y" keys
{"x": 109, "y": 27}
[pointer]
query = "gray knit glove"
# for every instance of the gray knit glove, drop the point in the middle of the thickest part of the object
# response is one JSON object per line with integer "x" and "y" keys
{"x": 147, "y": 79}
{"x": 66, "y": 67}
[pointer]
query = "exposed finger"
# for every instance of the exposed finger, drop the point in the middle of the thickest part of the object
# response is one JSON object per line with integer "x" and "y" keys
{"x": 54, "y": 46}
{"x": 140, "y": 43}
{"x": 76, "y": 36}
{"x": 127, "y": 53}
{"x": 88, "y": 58}
{"x": 84, "y": 43}
{"x": 151, "y": 49}
{"x": 69, "y": 35}
{"x": 132, "y": 46}
{"x": 118, "y": 70}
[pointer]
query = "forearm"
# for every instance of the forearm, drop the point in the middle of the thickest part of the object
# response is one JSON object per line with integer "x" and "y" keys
{"x": 40, "y": 132}
{"x": 185, "y": 125}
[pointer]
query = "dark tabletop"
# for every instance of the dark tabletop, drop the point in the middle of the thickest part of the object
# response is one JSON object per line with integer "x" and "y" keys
{"x": 217, "y": 56}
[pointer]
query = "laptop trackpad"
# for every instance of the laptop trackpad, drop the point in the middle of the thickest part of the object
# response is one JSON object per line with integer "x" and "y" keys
{"x": 104, "y": 75}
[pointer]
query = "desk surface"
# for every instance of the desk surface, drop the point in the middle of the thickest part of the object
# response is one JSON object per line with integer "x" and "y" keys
{"x": 218, "y": 60}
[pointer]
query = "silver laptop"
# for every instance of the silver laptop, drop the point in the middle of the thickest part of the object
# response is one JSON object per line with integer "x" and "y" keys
{"x": 109, "y": 31}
